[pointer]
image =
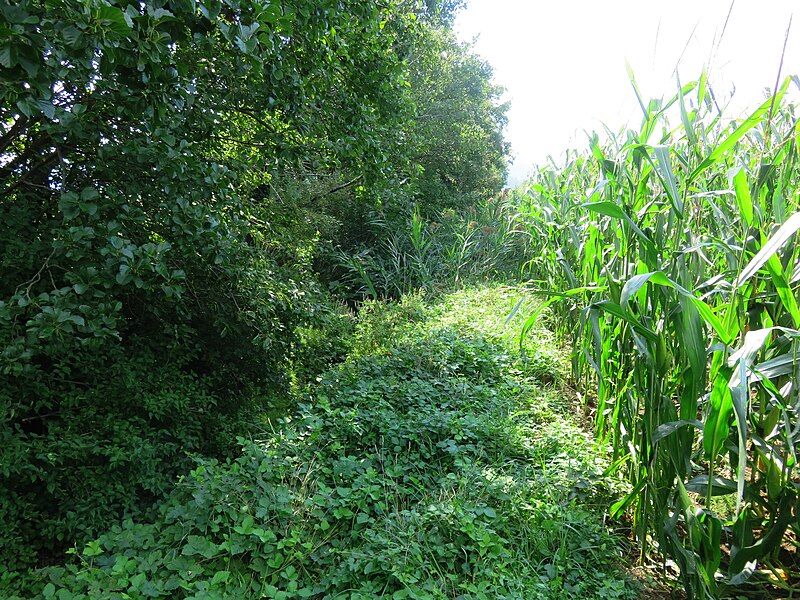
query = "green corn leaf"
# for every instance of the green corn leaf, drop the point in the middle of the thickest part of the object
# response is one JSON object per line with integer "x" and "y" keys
{"x": 728, "y": 143}
{"x": 743, "y": 199}
{"x": 740, "y": 396}
{"x": 659, "y": 278}
{"x": 720, "y": 486}
{"x": 616, "y": 310}
{"x": 775, "y": 367}
{"x": 614, "y": 210}
{"x": 632, "y": 79}
{"x": 784, "y": 291}
{"x": 717, "y": 424}
{"x": 666, "y": 429}
{"x": 664, "y": 167}
{"x": 685, "y": 117}
{"x": 619, "y": 507}
{"x": 775, "y": 242}
{"x": 691, "y": 337}
{"x": 740, "y": 556}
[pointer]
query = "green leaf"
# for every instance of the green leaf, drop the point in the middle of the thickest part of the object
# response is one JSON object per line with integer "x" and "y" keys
{"x": 664, "y": 168}
{"x": 616, "y": 310}
{"x": 220, "y": 577}
{"x": 666, "y": 429}
{"x": 113, "y": 19}
{"x": 719, "y": 486}
{"x": 783, "y": 289}
{"x": 68, "y": 205}
{"x": 659, "y": 278}
{"x": 8, "y": 55}
{"x": 199, "y": 545}
{"x": 717, "y": 424}
{"x": 775, "y": 242}
{"x": 71, "y": 34}
{"x": 743, "y": 199}
{"x": 613, "y": 210}
{"x": 752, "y": 121}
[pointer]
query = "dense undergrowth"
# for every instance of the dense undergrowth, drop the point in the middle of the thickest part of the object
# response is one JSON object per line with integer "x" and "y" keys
{"x": 204, "y": 206}
{"x": 181, "y": 185}
{"x": 439, "y": 460}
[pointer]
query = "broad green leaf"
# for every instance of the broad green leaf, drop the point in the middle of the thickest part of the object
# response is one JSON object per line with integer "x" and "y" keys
{"x": 666, "y": 429}
{"x": 616, "y": 310}
{"x": 659, "y": 278}
{"x": 717, "y": 423}
{"x": 743, "y": 199}
{"x": 613, "y": 210}
{"x": 664, "y": 168}
{"x": 113, "y": 18}
{"x": 720, "y": 486}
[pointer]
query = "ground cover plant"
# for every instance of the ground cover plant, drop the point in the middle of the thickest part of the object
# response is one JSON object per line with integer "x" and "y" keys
{"x": 671, "y": 255}
{"x": 437, "y": 462}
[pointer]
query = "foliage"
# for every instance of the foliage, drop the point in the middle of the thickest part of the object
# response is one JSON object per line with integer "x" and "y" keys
{"x": 458, "y": 125}
{"x": 157, "y": 291}
{"x": 119, "y": 447}
{"x": 487, "y": 241}
{"x": 436, "y": 468}
{"x": 456, "y": 159}
{"x": 676, "y": 277}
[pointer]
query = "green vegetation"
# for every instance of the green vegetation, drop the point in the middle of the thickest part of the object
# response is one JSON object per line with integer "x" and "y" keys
{"x": 179, "y": 182}
{"x": 675, "y": 277}
{"x": 253, "y": 341}
{"x": 437, "y": 465}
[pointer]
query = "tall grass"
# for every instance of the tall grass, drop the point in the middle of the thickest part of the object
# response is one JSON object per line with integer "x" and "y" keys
{"x": 486, "y": 242}
{"x": 670, "y": 255}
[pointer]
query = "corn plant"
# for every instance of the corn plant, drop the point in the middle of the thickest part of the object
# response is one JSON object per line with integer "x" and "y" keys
{"x": 669, "y": 254}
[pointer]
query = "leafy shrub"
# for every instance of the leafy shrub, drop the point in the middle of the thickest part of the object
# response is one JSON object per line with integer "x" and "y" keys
{"x": 326, "y": 339}
{"x": 114, "y": 447}
{"x": 381, "y": 323}
{"x": 147, "y": 300}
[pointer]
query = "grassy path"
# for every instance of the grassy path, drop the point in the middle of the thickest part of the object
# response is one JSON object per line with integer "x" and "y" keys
{"x": 437, "y": 462}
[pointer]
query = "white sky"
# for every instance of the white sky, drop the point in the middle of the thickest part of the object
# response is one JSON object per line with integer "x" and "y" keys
{"x": 562, "y": 62}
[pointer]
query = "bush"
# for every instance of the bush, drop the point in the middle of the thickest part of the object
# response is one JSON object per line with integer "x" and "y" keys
{"x": 109, "y": 444}
{"x": 487, "y": 241}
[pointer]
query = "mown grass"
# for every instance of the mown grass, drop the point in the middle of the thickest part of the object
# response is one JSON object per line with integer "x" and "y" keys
{"x": 436, "y": 462}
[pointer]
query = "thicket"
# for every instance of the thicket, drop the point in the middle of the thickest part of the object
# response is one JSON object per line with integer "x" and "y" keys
{"x": 179, "y": 181}
{"x": 670, "y": 256}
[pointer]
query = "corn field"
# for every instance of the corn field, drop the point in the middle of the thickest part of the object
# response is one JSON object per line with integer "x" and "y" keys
{"x": 670, "y": 257}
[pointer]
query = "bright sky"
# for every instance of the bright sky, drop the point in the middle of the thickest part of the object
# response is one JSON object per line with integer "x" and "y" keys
{"x": 562, "y": 62}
